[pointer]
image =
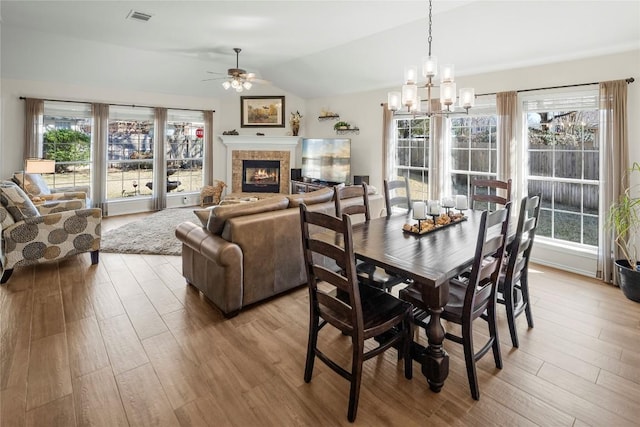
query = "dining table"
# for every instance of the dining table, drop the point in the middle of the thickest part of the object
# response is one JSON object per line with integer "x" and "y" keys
{"x": 430, "y": 260}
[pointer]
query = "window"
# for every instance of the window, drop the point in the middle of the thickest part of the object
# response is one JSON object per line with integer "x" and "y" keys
{"x": 184, "y": 146}
{"x": 412, "y": 148}
{"x": 130, "y": 152}
{"x": 67, "y": 140}
{"x": 473, "y": 152}
{"x": 564, "y": 166}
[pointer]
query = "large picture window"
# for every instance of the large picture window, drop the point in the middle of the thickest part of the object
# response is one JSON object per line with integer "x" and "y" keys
{"x": 184, "y": 147}
{"x": 412, "y": 148}
{"x": 130, "y": 152}
{"x": 564, "y": 166}
{"x": 67, "y": 140}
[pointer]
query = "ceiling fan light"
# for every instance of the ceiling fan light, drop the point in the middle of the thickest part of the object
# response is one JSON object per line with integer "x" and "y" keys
{"x": 239, "y": 88}
{"x": 247, "y": 85}
{"x": 251, "y": 76}
{"x": 226, "y": 85}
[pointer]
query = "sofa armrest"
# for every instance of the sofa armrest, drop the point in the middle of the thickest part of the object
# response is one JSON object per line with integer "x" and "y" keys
{"x": 213, "y": 265}
{"x": 66, "y": 195}
{"x": 61, "y": 206}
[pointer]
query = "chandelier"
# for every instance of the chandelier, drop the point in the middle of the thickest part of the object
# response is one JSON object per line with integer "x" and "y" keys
{"x": 409, "y": 98}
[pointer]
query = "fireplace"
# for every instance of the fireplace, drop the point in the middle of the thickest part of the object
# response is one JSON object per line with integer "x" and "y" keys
{"x": 261, "y": 176}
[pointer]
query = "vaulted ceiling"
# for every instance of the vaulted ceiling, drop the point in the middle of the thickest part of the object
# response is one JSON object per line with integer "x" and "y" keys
{"x": 309, "y": 48}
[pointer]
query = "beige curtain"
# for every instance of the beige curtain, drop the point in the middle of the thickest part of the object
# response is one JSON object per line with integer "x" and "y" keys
{"x": 207, "y": 168}
{"x": 614, "y": 140}
{"x": 99, "y": 138}
{"x": 388, "y": 155}
{"x": 34, "y": 110}
{"x": 436, "y": 174}
{"x": 507, "y": 106}
{"x": 159, "y": 162}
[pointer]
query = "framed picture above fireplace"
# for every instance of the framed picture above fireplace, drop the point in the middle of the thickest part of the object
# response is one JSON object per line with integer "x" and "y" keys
{"x": 262, "y": 111}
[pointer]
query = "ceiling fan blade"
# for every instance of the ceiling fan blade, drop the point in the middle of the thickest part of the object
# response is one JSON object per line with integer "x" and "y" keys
{"x": 215, "y": 72}
{"x": 216, "y": 78}
{"x": 261, "y": 81}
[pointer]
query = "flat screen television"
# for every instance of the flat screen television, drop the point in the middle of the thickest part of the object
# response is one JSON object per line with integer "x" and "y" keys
{"x": 326, "y": 160}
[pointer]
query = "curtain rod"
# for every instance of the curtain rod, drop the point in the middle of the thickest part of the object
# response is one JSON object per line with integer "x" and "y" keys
{"x": 118, "y": 105}
{"x": 629, "y": 80}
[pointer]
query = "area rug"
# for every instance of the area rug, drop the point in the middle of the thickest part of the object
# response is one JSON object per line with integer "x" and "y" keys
{"x": 154, "y": 234}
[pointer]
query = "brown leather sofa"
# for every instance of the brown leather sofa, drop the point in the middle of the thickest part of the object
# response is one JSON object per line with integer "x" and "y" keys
{"x": 245, "y": 253}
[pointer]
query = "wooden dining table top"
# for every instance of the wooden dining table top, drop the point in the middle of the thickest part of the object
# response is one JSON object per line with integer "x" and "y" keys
{"x": 432, "y": 258}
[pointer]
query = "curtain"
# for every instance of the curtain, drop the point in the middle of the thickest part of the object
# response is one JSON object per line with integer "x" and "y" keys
{"x": 436, "y": 174}
{"x": 159, "y": 200}
{"x": 99, "y": 138}
{"x": 388, "y": 155}
{"x": 614, "y": 140}
{"x": 207, "y": 168}
{"x": 507, "y": 106}
{"x": 34, "y": 110}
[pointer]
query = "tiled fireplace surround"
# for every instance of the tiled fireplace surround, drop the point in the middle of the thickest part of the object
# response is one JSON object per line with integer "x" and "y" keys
{"x": 239, "y": 148}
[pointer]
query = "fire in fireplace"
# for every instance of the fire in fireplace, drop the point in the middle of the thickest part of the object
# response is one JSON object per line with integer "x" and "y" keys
{"x": 261, "y": 176}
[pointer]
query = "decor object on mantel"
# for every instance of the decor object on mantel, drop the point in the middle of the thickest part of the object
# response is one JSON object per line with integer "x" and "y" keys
{"x": 230, "y": 132}
{"x": 294, "y": 121}
{"x": 409, "y": 96}
{"x": 624, "y": 220}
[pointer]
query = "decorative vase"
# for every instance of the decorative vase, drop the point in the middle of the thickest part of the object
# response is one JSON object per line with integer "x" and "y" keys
{"x": 294, "y": 129}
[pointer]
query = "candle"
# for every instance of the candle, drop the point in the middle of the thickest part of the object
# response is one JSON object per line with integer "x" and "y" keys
{"x": 433, "y": 207}
{"x": 419, "y": 210}
{"x": 461, "y": 202}
{"x": 448, "y": 202}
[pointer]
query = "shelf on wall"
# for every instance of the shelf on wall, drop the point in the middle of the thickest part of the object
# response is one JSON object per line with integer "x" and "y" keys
{"x": 334, "y": 117}
{"x": 346, "y": 131}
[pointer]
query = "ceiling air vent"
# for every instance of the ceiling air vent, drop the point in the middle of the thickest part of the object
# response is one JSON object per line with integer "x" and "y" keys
{"x": 138, "y": 16}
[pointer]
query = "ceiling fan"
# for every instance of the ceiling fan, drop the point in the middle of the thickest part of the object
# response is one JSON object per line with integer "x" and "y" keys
{"x": 237, "y": 78}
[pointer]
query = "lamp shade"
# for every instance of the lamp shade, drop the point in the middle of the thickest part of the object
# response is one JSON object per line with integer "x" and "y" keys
{"x": 39, "y": 166}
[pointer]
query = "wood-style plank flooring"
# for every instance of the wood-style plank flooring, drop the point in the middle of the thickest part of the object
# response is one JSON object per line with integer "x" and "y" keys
{"x": 127, "y": 342}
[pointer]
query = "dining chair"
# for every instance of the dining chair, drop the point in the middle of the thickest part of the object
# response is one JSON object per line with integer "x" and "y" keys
{"x": 472, "y": 295}
{"x": 367, "y": 273}
{"x": 513, "y": 286}
{"x": 484, "y": 193}
{"x": 359, "y": 311}
{"x": 393, "y": 197}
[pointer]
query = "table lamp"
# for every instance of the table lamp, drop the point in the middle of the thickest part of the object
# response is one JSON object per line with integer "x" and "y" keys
{"x": 39, "y": 166}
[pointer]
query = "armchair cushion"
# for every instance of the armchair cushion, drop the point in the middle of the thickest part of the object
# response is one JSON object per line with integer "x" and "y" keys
{"x": 16, "y": 202}
{"x": 61, "y": 206}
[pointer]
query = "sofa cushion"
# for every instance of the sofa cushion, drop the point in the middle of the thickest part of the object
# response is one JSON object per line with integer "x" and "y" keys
{"x": 16, "y": 202}
{"x": 220, "y": 214}
{"x": 311, "y": 198}
{"x": 33, "y": 183}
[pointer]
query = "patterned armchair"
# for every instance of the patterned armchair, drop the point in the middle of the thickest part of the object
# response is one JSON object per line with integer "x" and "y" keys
{"x": 39, "y": 192}
{"x": 51, "y": 232}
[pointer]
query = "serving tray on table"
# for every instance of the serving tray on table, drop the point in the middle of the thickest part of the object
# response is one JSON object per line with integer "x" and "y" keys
{"x": 431, "y": 229}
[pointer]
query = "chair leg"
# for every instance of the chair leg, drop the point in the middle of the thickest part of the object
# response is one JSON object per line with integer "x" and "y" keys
{"x": 493, "y": 333}
{"x": 524, "y": 286}
{"x": 511, "y": 318}
{"x": 356, "y": 378}
{"x": 311, "y": 347}
{"x": 407, "y": 341}
{"x": 6, "y": 275}
{"x": 467, "y": 343}
{"x": 95, "y": 257}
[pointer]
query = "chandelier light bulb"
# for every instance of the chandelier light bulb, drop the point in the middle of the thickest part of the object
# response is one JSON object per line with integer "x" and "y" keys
{"x": 409, "y": 95}
{"x": 448, "y": 94}
{"x": 411, "y": 75}
{"x": 467, "y": 97}
{"x": 393, "y": 100}
{"x": 446, "y": 75}
{"x": 226, "y": 85}
{"x": 429, "y": 67}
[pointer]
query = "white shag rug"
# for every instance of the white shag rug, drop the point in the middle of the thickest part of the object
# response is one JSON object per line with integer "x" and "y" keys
{"x": 154, "y": 234}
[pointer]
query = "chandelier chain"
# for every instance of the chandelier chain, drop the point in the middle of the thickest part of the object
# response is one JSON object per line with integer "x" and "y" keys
{"x": 429, "y": 39}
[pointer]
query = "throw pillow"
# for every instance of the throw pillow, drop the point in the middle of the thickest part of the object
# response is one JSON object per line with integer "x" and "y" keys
{"x": 311, "y": 198}
{"x": 220, "y": 214}
{"x": 16, "y": 202}
{"x": 33, "y": 183}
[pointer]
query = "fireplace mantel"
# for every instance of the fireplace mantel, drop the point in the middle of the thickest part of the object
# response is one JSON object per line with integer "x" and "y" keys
{"x": 275, "y": 145}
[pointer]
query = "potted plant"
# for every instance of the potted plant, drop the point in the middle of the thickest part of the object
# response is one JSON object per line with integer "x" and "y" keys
{"x": 624, "y": 220}
{"x": 341, "y": 125}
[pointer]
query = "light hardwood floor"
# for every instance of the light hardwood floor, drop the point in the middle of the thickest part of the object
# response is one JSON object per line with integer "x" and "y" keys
{"x": 127, "y": 342}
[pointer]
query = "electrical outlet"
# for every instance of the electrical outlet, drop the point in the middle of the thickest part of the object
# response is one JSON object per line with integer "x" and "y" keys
{"x": 184, "y": 200}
